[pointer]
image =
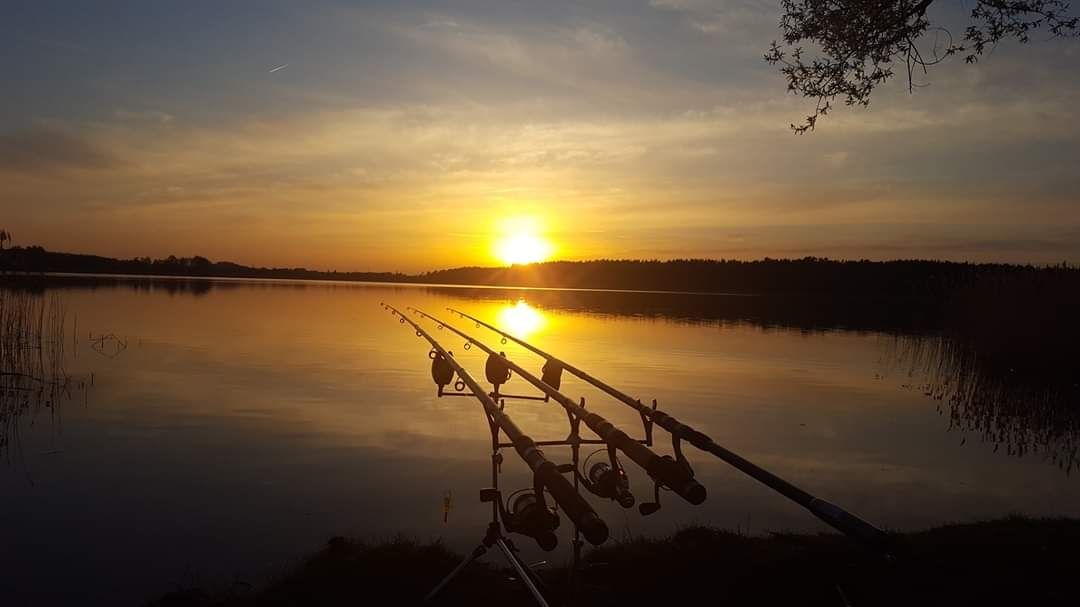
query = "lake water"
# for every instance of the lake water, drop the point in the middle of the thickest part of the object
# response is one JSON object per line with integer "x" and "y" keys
{"x": 223, "y": 429}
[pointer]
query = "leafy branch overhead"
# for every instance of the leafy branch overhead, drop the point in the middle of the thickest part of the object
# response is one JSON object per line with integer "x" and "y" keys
{"x": 859, "y": 44}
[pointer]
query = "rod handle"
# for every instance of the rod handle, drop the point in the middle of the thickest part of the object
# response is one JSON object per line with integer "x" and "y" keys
{"x": 848, "y": 523}
{"x": 576, "y": 508}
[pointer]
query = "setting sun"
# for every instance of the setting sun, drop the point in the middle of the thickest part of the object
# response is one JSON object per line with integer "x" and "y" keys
{"x": 520, "y": 243}
{"x": 522, "y": 248}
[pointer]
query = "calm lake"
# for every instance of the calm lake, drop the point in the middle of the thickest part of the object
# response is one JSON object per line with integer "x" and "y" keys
{"x": 217, "y": 430}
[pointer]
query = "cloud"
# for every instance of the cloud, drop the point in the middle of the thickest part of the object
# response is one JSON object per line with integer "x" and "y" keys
{"x": 722, "y": 17}
{"x": 418, "y": 167}
{"x": 62, "y": 45}
{"x": 677, "y": 5}
{"x": 152, "y": 116}
{"x": 631, "y": 130}
{"x": 43, "y": 148}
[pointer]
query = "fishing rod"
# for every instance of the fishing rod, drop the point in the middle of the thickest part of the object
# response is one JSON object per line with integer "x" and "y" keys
{"x": 546, "y": 474}
{"x": 837, "y": 517}
{"x": 665, "y": 471}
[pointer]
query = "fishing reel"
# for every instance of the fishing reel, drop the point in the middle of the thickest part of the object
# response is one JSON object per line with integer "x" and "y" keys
{"x": 607, "y": 480}
{"x": 526, "y": 512}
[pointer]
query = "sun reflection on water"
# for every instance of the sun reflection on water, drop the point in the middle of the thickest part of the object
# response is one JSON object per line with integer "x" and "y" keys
{"x": 521, "y": 319}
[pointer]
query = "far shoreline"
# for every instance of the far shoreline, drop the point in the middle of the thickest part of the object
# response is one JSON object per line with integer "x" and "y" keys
{"x": 807, "y": 276}
{"x": 346, "y": 281}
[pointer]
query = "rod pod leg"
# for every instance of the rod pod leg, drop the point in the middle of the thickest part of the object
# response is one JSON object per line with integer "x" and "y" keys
{"x": 523, "y": 572}
{"x": 478, "y": 552}
{"x": 493, "y": 537}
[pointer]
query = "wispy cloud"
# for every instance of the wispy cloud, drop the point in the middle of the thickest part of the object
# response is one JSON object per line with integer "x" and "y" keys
{"x": 43, "y": 148}
{"x": 643, "y": 131}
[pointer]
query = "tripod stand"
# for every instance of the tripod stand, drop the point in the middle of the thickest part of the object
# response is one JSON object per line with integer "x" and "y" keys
{"x": 494, "y": 537}
{"x": 499, "y": 516}
{"x": 494, "y": 534}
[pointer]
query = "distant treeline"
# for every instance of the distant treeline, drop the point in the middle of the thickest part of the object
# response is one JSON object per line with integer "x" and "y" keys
{"x": 809, "y": 275}
{"x": 38, "y": 260}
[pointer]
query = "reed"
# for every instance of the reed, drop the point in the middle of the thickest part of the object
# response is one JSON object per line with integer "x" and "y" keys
{"x": 1025, "y": 320}
{"x": 32, "y": 375}
{"x": 1023, "y": 411}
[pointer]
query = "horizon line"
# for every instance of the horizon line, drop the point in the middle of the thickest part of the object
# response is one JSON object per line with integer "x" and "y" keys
{"x": 766, "y": 258}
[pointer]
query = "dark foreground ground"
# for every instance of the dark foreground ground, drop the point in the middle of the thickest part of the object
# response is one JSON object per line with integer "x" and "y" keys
{"x": 1014, "y": 561}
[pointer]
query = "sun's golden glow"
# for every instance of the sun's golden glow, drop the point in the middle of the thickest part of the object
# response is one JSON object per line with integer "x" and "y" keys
{"x": 520, "y": 242}
{"x": 521, "y": 319}
{"x": 522, "y": 248}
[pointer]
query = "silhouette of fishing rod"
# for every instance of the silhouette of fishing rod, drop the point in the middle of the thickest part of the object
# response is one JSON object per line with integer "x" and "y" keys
{"x": 674, "y": 474}
{"x": 837, "y": 517}
{"x": 546, "y": 474}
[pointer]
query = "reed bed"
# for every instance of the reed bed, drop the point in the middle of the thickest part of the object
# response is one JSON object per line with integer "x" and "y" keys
{"x": 1023, "y": 411}
{"x": 32, "y": 375}
{"x": 1025, "y": 320}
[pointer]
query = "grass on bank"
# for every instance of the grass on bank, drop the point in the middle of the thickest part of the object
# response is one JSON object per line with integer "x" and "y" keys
{"x": 1012, "y": 561}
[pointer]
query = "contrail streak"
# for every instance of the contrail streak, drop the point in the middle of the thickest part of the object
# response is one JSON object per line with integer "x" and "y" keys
{"x": 280, "y": 67}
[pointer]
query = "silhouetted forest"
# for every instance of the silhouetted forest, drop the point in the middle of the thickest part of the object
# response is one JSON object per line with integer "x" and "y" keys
{"x": 38, "y": 260}
{"x": 810, "y": 275}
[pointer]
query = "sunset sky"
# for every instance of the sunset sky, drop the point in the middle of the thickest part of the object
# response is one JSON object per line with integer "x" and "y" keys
{"x": 414, "y": 136}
